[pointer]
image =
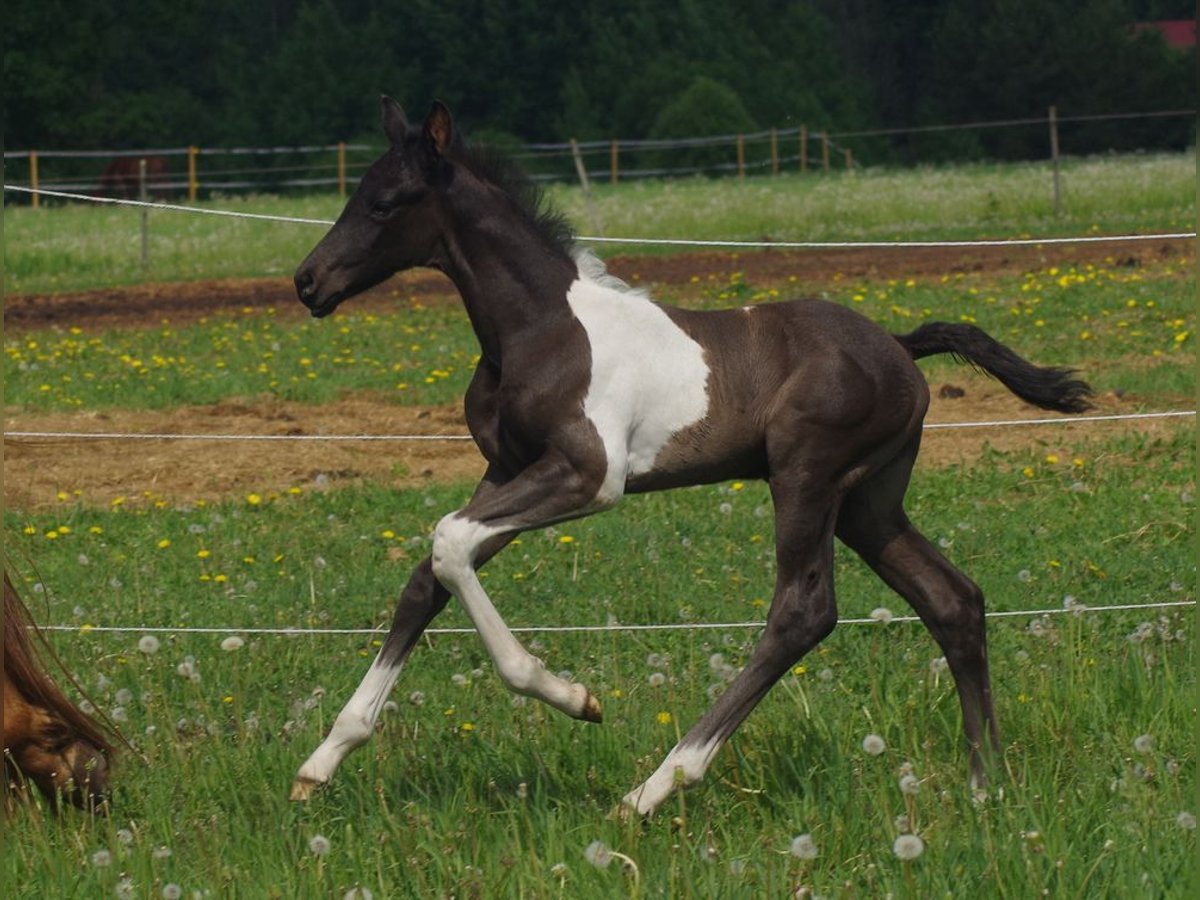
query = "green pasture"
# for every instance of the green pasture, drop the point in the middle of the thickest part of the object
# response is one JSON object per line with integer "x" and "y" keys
{"x": 78, "y": 246}
{"x": 1132, "y": 329}
{"x": 467, "y": 792}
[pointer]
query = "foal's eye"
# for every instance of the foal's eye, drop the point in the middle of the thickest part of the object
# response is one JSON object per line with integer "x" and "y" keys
{"x": 382, "y": 207}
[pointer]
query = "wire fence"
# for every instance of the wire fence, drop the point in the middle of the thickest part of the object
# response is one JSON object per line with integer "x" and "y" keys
{"x": 542, "y": 151}
{"x": 193, "y": 170}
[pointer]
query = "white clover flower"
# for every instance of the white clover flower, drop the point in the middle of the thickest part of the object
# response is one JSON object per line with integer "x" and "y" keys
{"x": 319, "y": 844}
{"x": 1186, "y": 821}
{"x": 882, "y": 615}
{"x": 873, "y": 744}
{"x": 803, "y": 847}
{"x": 598, "y": 854}
{"x": 231, "y": 643}
{"x": 1144, "y": 743}
{"x": 908, "y": 847}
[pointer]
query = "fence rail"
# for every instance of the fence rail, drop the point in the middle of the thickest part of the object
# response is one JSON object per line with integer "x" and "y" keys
{"x": 309, "y": 166}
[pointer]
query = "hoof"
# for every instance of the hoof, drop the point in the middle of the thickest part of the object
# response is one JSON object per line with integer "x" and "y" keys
{"x": 303, "y": 788}
{"x": 591, "y": 710}
{"x": 626, "y": 813}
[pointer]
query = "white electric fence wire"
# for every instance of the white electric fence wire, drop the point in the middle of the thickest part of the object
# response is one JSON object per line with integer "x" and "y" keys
{"x": 152, "y": 436}
{"x": 583, "y": 629}
{"x": 674, "y": 242}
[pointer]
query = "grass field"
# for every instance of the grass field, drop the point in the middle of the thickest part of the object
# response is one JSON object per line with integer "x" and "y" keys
{"x": 465, "y": 792}
{"x": 82, "y": 247}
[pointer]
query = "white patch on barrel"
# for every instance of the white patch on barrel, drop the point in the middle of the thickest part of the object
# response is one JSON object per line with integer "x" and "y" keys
{"x": 649, "y": 378}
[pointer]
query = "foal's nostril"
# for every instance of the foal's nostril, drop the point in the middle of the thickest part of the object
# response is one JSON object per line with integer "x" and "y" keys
{"x": 305, "y": 284}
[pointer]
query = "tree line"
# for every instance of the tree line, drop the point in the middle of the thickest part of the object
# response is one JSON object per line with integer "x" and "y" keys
{"x": 120, "y": 74}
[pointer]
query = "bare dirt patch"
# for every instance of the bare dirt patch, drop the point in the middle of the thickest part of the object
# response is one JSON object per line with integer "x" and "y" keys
{"x": 148, "y": 305}
{"x": 42, "y": 472}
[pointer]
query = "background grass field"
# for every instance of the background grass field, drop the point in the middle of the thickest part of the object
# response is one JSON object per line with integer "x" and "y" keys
{"x": 465, "y": 791}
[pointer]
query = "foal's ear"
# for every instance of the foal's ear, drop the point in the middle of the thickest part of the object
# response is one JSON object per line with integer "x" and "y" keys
{"x": 439, "y": 129}
{"x": 395, "y": 123}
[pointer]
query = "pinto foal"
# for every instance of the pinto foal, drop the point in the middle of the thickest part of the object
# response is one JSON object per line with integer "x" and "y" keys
{"x": 586, "y": 391}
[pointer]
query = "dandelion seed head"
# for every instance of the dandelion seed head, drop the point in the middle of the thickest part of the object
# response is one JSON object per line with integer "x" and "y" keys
{"x": 598, "y": 854}
{"x": 124, "y": 696}
{"x": 910, "y": 785}
{"x": 319, "y": 844}
{"x": 908, "y": 847}
{"x": 804, "y": 847}
{"x": 656, "y": 679}
{"x": 358, "y": 893}
{"x": 1024, "y": 576}
{"x": 656, "y": 661}
{"x": 559, "y": 871}
{"x": 171, "y": 891}
{"x": 873, "y": 744}
{"x": 102, "y": 858}
{"x": 459, "y": 679}
{"x": 124, "y": 888}
{"x": 231, "y": 643}
{"x": 1186, "y": 821}
{"x": 1143, "y": 743}
{"x": 161, "y": 852}
{"x": 882, "y": 614}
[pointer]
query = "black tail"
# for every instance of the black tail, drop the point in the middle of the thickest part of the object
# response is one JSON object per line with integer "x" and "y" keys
{"x": 1049, "y": 388}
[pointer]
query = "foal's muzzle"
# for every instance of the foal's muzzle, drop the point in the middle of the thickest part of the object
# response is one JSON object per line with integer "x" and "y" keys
{"x": 309, "y": 293}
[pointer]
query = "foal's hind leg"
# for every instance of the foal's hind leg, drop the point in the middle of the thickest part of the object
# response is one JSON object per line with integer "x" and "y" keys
{"x": 803, "y": 612}
{"x": 872, "y": 522}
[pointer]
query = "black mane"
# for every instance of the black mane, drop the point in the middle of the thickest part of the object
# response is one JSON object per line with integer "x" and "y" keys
{"x": 495, "y": 167}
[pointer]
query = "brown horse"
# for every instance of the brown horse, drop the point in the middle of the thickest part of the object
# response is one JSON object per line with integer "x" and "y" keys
{"x": 47, "y": 739}
{"x": 121, "y": 178}
{"x": 586, "y": 391}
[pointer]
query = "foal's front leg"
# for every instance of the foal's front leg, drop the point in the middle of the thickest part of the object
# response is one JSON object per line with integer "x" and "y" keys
{"x": 551, "y": 490}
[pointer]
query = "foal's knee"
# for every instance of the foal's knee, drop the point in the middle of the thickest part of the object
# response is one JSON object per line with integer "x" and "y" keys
{"x": 455, "y": 543}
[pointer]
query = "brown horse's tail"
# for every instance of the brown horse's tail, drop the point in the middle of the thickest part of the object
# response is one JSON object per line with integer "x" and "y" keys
{"x": 23, "y": 668}
{"x": 1050, "y": 387}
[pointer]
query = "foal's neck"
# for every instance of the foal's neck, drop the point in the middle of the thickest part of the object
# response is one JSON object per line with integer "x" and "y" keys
{"x": 513, "y": 279}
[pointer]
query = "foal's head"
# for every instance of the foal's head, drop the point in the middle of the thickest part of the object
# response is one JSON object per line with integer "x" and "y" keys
{"x": 47, "y": 739}
{"x": 394, "y": 220}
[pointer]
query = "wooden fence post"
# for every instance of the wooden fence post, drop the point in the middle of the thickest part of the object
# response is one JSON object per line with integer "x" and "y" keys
{"x": 803, "y": 149}
{"x": 341, "y": 168}
{"x": 741, "y": 156}
{"x": 825, "y": 150}
{"x": 581, "y": 171}
{"x": 143, "y": 194}
{"x": 35, "y": 197}
{"x": 774, "y": 152}
{"x": 613, "y": 163}
{"x": 849, "y": 154}
{"x": 1054, "y": 160}
{"x": 193, "y": 184}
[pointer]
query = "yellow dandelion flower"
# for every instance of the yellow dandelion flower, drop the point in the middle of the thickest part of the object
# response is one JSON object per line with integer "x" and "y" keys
{"x": 29, "y": 529}
{"x": 566, "y": 539}
{"x": 1052, "y": 458}
{"x": 220, "y": 579}
{"x": 51, "y": 535}
{"x": 1027, "y": 471}
{"x": 164, "y": 543}
{"x": 203, "y": 554}
{"x": 254, "y": 499}
{"x": 664, "y": 718}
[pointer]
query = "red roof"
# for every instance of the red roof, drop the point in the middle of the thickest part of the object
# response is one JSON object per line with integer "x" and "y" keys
{"x": 1178, "y": 33}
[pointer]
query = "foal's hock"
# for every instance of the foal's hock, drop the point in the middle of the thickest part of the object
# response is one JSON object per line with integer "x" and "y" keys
{"x": 586, "y": 390}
